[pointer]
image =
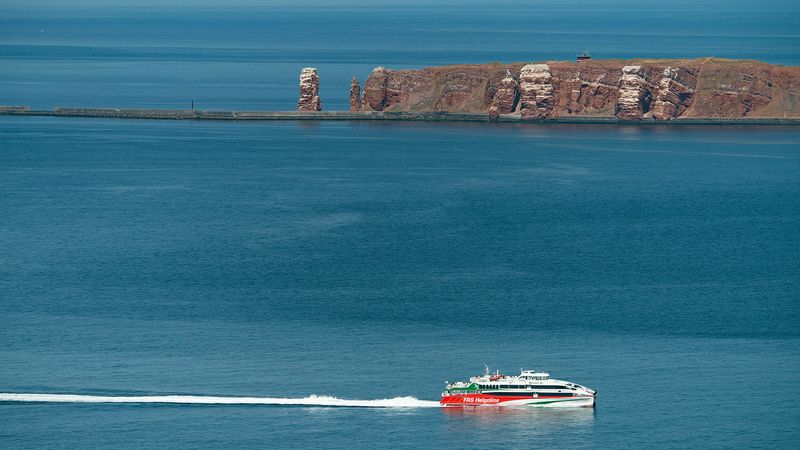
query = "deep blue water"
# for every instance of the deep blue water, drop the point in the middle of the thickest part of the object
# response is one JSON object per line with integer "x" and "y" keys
{"x": 660, "y": 266}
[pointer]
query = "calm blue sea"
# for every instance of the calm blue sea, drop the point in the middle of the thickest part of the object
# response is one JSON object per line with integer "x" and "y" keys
{"x": 658, "y": 265}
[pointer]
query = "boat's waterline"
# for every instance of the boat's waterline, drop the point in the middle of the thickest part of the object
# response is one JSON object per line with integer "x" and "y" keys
{"x": 585, "y": 402}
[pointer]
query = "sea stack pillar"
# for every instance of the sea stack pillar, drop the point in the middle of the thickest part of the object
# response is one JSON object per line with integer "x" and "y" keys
{"x": 355, "y": 95}
{"x": 536, "y": 92}
{"x": 309, "y": 91}
{"x": 505, "y": 99}
{"x": 634, "y": 96}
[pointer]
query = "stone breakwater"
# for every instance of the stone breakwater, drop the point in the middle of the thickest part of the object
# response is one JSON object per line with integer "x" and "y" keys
{"x": 196, "y": 114}
{"x": 626, "y": 90}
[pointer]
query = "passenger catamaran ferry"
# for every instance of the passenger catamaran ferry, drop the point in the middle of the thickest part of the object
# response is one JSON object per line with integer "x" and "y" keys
{"x": 529, "y": 388}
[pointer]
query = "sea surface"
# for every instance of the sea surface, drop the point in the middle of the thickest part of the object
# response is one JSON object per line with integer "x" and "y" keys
{"x": 334, "y": 275}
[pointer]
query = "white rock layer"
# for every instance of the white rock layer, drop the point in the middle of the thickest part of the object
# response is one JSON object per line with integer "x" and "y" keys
{"x": 632, "y": 100}
{"x": 536, "y": 91}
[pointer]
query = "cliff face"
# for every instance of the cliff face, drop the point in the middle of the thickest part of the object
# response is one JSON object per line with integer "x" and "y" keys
{"x": 536, "y": 91}
{"x": 629, "y": 90}
{"x": 634, "y": 95}
{"x": 675, "y": 91}
{"x": 505, "y": 96}
{"x": 309, "y": 91}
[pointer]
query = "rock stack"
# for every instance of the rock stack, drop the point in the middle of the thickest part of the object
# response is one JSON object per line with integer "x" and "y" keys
{"x": 505, "y": 99}
{"x": 536, "y": 91}
{"x": 675, "y": 91}
{"x": 309, "y": 91}
{"x": 355, "y": 95}
{"x": 634, "y": 96}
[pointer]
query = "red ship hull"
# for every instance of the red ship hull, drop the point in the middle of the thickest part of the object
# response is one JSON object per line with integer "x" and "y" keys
{"x": 522, "y": 400}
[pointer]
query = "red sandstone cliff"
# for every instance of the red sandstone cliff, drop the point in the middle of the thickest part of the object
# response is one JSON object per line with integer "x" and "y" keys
{"x": 309, "y": 91}
{"x": 629, "y": 90}
{"x": 506, "y": 96}
{"x": 355, "y": 95}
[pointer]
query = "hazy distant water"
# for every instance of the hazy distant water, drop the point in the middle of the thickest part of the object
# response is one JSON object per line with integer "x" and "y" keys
{"x": 366, "y": 261}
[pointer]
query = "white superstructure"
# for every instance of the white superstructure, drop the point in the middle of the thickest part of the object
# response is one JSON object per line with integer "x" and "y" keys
{"x": 530, "y": 387}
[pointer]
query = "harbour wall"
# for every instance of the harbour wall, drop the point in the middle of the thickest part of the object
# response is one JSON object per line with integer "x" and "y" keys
{"x": 196, "y": 114}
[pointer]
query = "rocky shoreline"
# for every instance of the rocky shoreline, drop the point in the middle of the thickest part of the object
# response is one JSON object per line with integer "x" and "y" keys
{"x": 698, "y": 91}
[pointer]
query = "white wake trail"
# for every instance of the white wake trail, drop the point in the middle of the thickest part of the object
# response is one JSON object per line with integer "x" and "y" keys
{"x": 313, "y": 400}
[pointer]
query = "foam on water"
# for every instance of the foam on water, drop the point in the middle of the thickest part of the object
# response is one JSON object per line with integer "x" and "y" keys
{"x": 313, "y": 400}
